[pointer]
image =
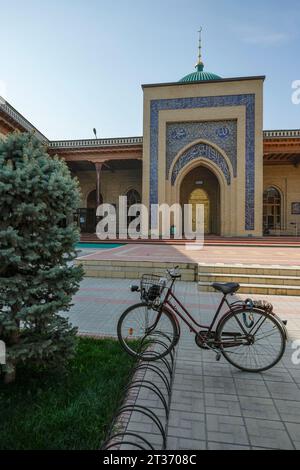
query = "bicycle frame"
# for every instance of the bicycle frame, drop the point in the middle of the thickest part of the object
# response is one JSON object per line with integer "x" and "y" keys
{"x": 187, "y": 318}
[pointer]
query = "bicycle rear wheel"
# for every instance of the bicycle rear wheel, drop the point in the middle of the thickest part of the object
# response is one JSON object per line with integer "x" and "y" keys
{"x": 138, "y": 337}
{"x": 251, "y": 340}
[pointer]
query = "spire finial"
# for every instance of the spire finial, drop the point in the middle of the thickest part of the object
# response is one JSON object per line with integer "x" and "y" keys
{"x": 200, "y": 65}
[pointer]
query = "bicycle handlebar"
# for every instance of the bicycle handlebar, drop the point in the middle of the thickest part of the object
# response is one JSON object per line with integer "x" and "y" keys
{"x": 174, "y": 273}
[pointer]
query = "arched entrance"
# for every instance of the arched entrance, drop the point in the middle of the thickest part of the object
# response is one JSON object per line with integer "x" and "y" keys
{"x": 92, "y": 200}
{"x": 201, "y": 186}
{"x": 271, "y": 210}
{"x": 200, "y": 196}
{"x": 87, "y": 215}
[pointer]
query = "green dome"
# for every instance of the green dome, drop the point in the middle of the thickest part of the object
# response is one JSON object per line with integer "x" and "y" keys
{"x": 200, "y": 75}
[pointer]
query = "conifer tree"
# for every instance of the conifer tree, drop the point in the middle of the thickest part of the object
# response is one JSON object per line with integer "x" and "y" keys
{"x": 38, "y": 198}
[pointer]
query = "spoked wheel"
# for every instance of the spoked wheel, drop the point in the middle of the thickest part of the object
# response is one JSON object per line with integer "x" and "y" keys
{"x": 142, "y": 337}
{"x": 253, "y": 341}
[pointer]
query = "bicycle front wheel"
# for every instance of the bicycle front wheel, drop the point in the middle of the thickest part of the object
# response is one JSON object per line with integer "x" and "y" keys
{"x": 147, "y": 334}
{"x": 251, "y": 340}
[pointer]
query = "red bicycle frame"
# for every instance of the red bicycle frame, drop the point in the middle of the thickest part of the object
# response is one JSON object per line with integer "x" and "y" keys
{"x": 186, "y": 316}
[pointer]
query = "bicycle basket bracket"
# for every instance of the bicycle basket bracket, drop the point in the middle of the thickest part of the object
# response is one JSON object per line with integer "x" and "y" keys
{"x": 152, "y": 286}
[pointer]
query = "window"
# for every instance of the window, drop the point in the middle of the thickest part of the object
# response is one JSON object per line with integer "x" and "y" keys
{"x": 271, "y": 209}
{"x": 133, "y": 197}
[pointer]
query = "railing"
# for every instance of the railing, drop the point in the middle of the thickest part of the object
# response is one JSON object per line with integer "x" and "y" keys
{"x": 282, "y": 134}
{"x": 151, "y": 382}
{"x": 10, "y": 111}
{"x": 96, "y": 142}
{"x": 139, "y": 140}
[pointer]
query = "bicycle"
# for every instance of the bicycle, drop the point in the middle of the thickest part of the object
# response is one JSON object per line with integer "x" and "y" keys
{"x": 249, "y": 335}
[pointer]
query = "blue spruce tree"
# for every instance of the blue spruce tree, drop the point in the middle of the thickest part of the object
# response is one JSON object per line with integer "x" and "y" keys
{"x": 38, "y": 198}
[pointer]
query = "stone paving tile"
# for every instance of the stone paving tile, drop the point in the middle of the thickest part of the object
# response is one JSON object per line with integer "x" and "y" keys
{"x": 239, "y": 374}
{"x": 223, "y": 446}
{"x": 154, "y": 439}
{"x": 289, "y": 410}
{"x": 192, "y": 369}
{"x": 189, "y": 401}
{"x": 257, "y": 407}
{"x": 185, "y": 387}
{"x": 252, "y": 388}
{"x": 277, "y": 374}
{"x": 269, "y": 434}
{"x": 221, "y": 404}
{"x": 188, "y": 420}
{"x": 223, "y": 385}
{"x": 288, "y": 391}
{"x": 294, "y": 431}
{"x": 217, "y": 370}
{"x": 226, "y": 429}
{"x": 185, "y": 381}
{"x": 194, "y": 406}
{"x": 185, "y": 444}
{"x": 261, "y": 448}
{"x": 295, "y": 374}
{"x": 195, "y": 431}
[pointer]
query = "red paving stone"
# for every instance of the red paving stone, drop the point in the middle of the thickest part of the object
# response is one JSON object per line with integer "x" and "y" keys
{"x": 209, "y": 254}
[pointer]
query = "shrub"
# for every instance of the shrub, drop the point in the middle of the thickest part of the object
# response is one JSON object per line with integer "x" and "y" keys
{"x": 38, "y": 197}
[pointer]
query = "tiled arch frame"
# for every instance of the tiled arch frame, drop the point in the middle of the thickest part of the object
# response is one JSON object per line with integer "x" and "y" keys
{"x": 246, "y": 100}
{"x": 195, "y": 151}
{"x": 225, "y": 196}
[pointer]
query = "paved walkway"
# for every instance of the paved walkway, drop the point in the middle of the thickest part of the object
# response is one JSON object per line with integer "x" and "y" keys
{"x": 209, "y": 254}
{"x": 214, "y": 406}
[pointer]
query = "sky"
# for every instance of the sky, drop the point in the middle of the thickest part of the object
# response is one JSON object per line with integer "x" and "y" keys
{"x": 71, "y": 65}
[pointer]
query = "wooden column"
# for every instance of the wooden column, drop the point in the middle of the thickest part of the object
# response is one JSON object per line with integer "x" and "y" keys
{"x": 98, "y": 167}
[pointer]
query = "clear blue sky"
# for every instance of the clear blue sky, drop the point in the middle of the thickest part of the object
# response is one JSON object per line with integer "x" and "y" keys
{"x": 71, "y": 65}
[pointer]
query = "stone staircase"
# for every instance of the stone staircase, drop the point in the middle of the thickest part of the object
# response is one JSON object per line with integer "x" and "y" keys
{"x": 107, "y": 268}
{"x": 254, "y": 279}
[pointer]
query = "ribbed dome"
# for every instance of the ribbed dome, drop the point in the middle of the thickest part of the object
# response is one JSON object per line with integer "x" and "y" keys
{"x": 200, "y": 75}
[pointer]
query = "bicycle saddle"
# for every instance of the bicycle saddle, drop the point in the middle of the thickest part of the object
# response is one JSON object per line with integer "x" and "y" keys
{"x": 226, "y": 288}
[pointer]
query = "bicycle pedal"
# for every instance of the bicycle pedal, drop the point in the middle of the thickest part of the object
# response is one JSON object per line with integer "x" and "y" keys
{"x": 218, "y": 356}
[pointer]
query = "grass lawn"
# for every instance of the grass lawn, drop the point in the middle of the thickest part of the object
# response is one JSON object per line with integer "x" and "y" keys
{"x": 65, "y": 411}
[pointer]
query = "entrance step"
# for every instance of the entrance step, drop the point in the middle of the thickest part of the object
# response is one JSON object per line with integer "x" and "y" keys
{"x": 134, "y": 269}
{"x": 253, "y": 279}
{"x": 250, "y": 279}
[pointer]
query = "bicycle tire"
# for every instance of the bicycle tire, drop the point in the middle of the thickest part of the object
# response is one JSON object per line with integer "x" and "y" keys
{"x": 141, "y": 355}
{"x": 226, "y": 353}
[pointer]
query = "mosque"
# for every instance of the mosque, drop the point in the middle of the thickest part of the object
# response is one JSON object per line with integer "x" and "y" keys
{"x": 203, "y": 142}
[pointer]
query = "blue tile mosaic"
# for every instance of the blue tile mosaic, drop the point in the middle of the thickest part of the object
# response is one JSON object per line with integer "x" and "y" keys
{"x": 247, "y": 100}
{"x": 201, "y": 150}
{"x": 221, "y": 133}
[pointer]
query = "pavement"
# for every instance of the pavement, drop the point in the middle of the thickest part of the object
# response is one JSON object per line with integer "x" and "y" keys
{"x": 213, "y": 405}
{"x": 249, "y": 255}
